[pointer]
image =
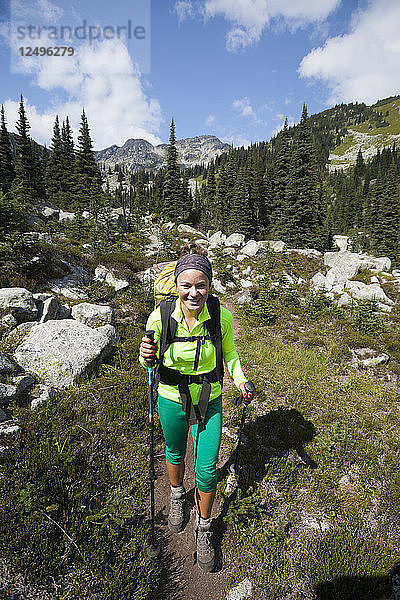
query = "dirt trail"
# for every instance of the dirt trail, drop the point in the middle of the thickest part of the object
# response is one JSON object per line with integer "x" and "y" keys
{"x": 178, "y": 550}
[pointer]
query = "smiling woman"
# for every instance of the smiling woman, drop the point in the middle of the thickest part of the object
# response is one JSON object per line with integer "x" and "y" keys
{"x": 193, "y": 337}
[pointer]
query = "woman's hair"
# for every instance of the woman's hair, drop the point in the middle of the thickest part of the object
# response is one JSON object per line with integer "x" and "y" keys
{"x": 193, "y": 248}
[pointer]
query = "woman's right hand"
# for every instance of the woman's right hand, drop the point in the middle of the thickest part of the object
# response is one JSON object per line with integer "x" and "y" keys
{"x": 148, "y": 348}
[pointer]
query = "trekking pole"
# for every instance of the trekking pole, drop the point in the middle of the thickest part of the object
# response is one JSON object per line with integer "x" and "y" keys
{"x": 152, "y": 550}
{"x": 232, "y": 478}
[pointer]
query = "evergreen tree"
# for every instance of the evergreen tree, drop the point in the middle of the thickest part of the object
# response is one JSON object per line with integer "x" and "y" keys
{"x": 386, "y": 232}
{"x": 241, "y": 215}
{"x": 87, "y": 174}
{"x": 7, "y": 171}
{"x": 281, "y": 178}
{"x": 55, "y": 166}
{"x": 68, "y": 160}
{"x": 23, "y": 188}
{"x": 219, "y": 213}
{"x": 173, "y": 193}
{"x": 302, "y": 212}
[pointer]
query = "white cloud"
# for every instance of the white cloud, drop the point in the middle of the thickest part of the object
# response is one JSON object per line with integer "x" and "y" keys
{"x": 210, "y": 120}
{"x": 364, "y": 64}
{"x": 99, "y": 77}
{"x": 244, "y": 107}
{"x": 236, "y": 139}
{"x": 184, "y": 9}
{"x": 249, "y": 18}
{"x": 113, "y": 98}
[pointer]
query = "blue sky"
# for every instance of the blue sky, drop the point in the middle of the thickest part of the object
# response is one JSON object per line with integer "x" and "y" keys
{"x": 230, "y": 68}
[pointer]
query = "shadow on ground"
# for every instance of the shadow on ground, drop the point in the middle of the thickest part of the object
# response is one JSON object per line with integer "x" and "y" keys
{"x": 350, "y": 588}
{"x": 270, "y": 436}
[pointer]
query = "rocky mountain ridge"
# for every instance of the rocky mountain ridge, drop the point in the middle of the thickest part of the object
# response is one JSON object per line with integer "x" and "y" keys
{"x": 137, "y": 153}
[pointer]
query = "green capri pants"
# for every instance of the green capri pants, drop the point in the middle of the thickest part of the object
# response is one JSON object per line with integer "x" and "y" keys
{"x": 206, "y": 438}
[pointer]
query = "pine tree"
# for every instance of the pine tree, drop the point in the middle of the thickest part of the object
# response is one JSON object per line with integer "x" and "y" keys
{"x": 241, "y": 214}
{"x": 22, "y": 187}
{"x": 301, "y": 223}
{"x": 87, "y": 173}
{"x": 55, "y": 166}
{"x": 7, "y": 171}
{"x": 386, "y": 231}
{"x": 68, "y": 159}
{"x": 281, "y": 178}
{"x": 173, "y": 193}
{"x": 219, "y": 213}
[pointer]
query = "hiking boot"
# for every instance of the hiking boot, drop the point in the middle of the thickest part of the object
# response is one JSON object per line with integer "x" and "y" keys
{"x": 205, "y": 550}
{"x": 176, "y": 516}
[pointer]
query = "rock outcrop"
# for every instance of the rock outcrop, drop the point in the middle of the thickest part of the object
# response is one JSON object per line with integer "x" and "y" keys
{"x": 61, "y": 353}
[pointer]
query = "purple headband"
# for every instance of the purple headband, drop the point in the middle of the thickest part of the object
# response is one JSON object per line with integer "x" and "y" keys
{"x": 193, "y": 261}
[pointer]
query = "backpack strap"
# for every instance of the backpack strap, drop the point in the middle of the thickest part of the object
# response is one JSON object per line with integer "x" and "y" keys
{"x": 168, "y": 330}
{"x": 214, "y": 329}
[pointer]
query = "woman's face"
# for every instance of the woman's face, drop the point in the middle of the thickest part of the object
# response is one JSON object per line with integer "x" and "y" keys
{"x": 193, "y": 287}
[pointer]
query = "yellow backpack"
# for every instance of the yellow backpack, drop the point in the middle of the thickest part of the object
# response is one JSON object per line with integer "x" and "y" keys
{"x": 164, "y": 285}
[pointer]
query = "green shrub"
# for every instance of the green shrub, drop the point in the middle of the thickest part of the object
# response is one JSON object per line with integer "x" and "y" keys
{"x": 73, "y": 487}
{"x": 316, "y": 305}
{"x": 364, "y": 317}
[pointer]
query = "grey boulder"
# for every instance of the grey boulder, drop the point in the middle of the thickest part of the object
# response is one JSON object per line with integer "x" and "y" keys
{"x": 19, "y": 302}
{"x": 60, "y": 353}
{"x": 93, "y": 315}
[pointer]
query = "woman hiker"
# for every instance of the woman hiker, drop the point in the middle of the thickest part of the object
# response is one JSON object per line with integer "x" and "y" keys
{"x": 190, "y": 390}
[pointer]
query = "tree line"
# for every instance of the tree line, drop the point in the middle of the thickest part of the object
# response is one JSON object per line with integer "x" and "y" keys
{"x": 280, "y": 189}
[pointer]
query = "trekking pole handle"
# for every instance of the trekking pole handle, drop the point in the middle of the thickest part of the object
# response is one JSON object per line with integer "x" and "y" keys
{"x": 249, "y": 387}
{"x": 150, "y": 335}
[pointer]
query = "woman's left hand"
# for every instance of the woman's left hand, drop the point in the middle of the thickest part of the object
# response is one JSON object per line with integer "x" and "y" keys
{"x": 247, "y": 396}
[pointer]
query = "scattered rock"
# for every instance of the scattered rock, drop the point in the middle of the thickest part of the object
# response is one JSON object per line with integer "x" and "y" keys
{"x": 243, "y": 297}
{"x": 369, "y": 363}
{"x": 19, "y": 302}
{"x": 341, "y": 241}
{"x": 42, "y": 296}
{"x": 345, "y": 265}
{"x": 343, "y": 300}
{"x": 8, "y": 321}
{"x": 62, "y": 352}
{"x": 6, "y": 429}
{"x": 242, "y": 591}
{"x": 372, "y": 291}
{"x": 23, "y": 383}
{"x": 64, "y": 312}
{"x": 246, "y": 283}
{"x": 3, "y": 416}
{"x": 218, "y": 287}
{"x": 66, "y": 216}
{"x": 93, "y": 315}
{"x": 110, "y": 333}
{"x": 318, "y": 282}
{"x": 252, "y": 248}
{"x": 47, "y": 210}
{"x": 49, "y": 309}
{"x": 42, "y": 394}
{"x": 7, "y": 365}
{"x": 104, "y": 274}
{"x": 217, "y": 238}
{"x": 316, "y": 522}
{"x": 8, "y": 393}
{"x": 17, "y": 335}
{"x": 235, "y": 240}
{"x": 276, "y": 246}
{"x": 187, "y": 229}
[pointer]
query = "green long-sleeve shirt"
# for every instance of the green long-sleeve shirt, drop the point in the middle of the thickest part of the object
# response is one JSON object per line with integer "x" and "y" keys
{"x": 180, "y": 355}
